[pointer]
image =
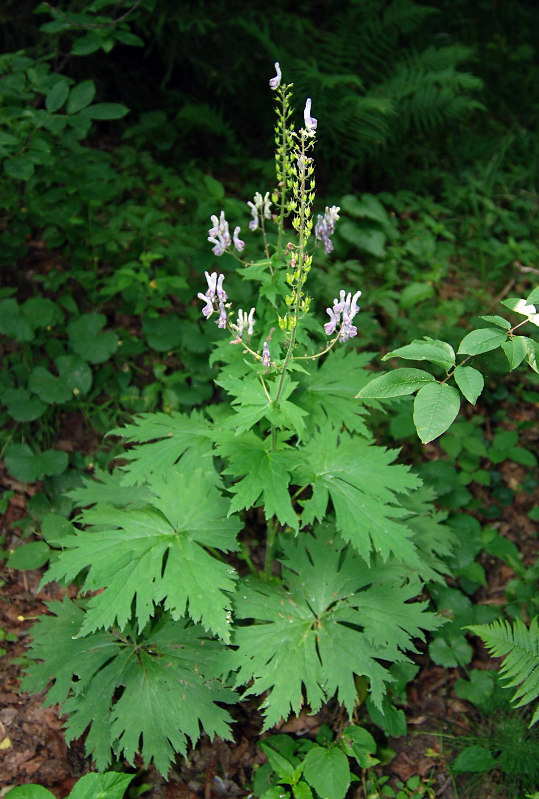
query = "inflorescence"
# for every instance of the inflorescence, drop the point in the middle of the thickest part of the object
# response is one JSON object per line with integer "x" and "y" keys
{"x": 293, "y": 152}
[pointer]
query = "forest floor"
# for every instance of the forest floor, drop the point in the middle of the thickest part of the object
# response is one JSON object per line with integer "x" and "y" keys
{"x": 33, "y": 749}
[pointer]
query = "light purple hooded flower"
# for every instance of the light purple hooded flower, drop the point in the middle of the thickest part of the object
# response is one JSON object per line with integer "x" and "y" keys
{"x": 238, "y": 243}
{"x": 266, "y": 355}
{"x": 276, "y": 81}
{"x": 219, "y": 234}
{"x": 310, "y": 122}
{"x": 325, "y": 226}
{"x": 245, "y": 321}
{"x": 348, "y": 307}
{"x": 215, "y": 291}
{"x": 260, "y": 209}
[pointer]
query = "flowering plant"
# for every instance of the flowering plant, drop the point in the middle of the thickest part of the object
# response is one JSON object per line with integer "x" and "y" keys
{"x": 263, "y": 546}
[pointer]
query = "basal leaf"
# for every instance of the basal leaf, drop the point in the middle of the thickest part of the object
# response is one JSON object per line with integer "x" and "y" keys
{"x": 435, "y": 408}
{"x": 362, "y": 483}
{"x": 396, "y": 383}
{"x": 470, "y": 382}
{"x": 150, "y": 692}
{"x": 333, "y": 618}
{"x": 143, "y": 557}
{"x": 427, "y": 349}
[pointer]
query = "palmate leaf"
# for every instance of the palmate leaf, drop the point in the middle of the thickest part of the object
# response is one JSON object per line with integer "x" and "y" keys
{"x": 163, "y": 440}
{"x": 362, "y": 482}
{"x": 251, "y": 404}
{"x": 264, "y": 473}
{"x": 156, "y": 554}
{"x": 334, "y": 618}
{"x": 132, "y": 694}
{"x": 328, "y": 395}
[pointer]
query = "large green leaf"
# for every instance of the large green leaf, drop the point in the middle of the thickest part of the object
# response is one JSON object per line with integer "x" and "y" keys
{"x": 28, "y": 466}
{"x": 327, "y": 770}
{"x": 129, "y": 692}
{"x": 427, "y": 349}
{"x": 264, "y": 473}
{"x": 483, "y": 340}
{"x": 143, "y": 557}
{"x": 396, "y": 384}
{"x": 435, "y": 408}
{"x": 251, "y": 404}
{"x": 362, "y": 482}
{"x": 329, "y": 389}
{"x": 470, "y": 382}
{"x": 163, "y": 440}
{"x": 334, "y": 618}
{"x": 87, "y": 339}
{"x": 112, "y": 785}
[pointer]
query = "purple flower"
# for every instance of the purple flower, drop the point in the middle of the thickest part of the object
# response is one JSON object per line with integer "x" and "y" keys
{"x": 266, "y": 355}
{"x": 208, "y": 308}
{"x": 260, "y": 209}
{"x": 221, "y": 322}
{"x": 238, "y": 243}
{"x": 212, "y": 284}
{"x": 348, "y": 307}
{"x": 276, "y": 81}
{"x": 245, "y": 321}
{"x": 331, "y": 326}
{"x": 325, "y": 227}
{"x": 219, "y": 234}
{"x": 310, "y": 122}
{"x": 214, "y": 291}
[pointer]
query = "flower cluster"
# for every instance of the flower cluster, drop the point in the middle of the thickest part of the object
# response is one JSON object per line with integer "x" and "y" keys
{"x": 260, "y": 209}
{"x": 245, "y": 321}
{"x": 215, "y": 298}
{"x": 219, "y": 235}
{"x": 348, "y": 307}
{"x": 325, "y": 226}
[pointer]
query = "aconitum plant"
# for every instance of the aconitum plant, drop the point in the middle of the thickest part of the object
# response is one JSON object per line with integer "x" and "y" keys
{"x": 263, "y": 546}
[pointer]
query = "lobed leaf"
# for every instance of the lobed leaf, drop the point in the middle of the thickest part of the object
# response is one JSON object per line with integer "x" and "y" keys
{"x": 141, "y": 558}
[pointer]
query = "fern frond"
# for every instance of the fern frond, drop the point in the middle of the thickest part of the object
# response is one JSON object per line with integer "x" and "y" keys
{"x": 520, "y": 647}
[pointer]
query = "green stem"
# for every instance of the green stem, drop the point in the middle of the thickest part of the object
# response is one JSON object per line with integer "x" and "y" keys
{"x": 284, "y": 158}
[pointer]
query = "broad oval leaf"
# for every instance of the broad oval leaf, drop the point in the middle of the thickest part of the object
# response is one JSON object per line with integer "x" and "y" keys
{"x": 56, "y": 96}
{"x": 427, "y": 349}
{"x": 473, "y": 759}
{"x": 396, "y": 383}
{"x": 327, "y": 770}
{"x": 516, "y": 349}
{"x": 483, "y": 340}
{"x": 435, "y": 408}
{"x": 29, "y": 792}
{"x": 80, "y": 96}
{"x": 470, "y": 382}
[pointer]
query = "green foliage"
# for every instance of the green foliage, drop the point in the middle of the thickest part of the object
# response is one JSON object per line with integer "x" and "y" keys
{"x": 307, "y": 766}
{"x": 437, "y": 404}
{"x": 110, "y": 785}
{"x": 520, "y": 647}
{"x": 132, "y": 693}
